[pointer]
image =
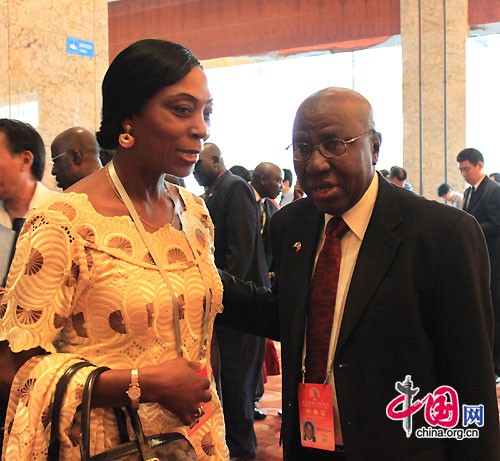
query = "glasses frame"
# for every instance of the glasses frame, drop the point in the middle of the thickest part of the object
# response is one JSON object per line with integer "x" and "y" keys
{"x": 322, "y": 150}
{"x": 53, "y": 160}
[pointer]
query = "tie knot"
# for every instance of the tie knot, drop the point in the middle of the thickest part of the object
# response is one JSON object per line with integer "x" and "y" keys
{"x": 336, "y": 227}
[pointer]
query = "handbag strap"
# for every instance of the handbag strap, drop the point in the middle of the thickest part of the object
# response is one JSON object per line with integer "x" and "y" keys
{"x": 85, "y": 412}
{"x": 60, "y": 392}
{"x": 146, "y": 452}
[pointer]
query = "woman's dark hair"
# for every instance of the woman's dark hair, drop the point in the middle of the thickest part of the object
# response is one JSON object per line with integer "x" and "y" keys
{"x": 22, "y": 136}
{"x": 135, "y": 76}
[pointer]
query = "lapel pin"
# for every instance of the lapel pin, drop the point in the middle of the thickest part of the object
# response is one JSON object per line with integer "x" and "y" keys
{"x": 297, "y": 246}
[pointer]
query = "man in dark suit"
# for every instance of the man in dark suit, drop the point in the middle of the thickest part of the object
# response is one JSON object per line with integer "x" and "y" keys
{"x": 400, "y": 306}
{"x": 239, "y": 251}
{"x": 482, "y": 200}
{"x": 267, "y": 183}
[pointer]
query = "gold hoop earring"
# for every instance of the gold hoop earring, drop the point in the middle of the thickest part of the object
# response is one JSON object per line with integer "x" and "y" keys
{"x": 126, "y": 140}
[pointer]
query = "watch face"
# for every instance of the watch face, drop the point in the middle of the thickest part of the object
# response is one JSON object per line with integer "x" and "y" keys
{"x": 134, "y": 393}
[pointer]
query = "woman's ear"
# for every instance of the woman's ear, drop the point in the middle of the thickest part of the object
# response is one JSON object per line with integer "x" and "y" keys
{"x": 127, "y": 125}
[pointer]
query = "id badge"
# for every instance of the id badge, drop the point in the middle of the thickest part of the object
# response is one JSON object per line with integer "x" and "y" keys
{"x": 207, "y": 409}
{"x": 316, "y": 416}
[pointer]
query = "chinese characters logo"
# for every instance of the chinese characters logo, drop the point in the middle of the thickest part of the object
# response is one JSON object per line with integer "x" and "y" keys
{"x": 442, "y": 411}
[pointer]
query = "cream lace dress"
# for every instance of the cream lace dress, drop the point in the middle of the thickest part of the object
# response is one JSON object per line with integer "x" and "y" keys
{"x": 84, "y": 285}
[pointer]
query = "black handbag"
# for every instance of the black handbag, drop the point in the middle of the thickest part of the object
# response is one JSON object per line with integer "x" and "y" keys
{"x": 60, "y": 392}
{"x": 171, "y": 446}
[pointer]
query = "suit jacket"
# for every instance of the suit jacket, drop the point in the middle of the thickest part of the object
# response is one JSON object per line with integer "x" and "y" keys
{"x": 485, "y": 207}
{"x": 408, "y": 312}
{"x": 270, "y": 209}
{"x": 238, "y": 244}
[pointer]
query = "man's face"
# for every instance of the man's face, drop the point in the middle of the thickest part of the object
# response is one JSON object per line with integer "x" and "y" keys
{"x": 205, "y": 169}
{"x": 448, "y": 196}
{"x": 472, "y": 174}
{"x": 11, "y": 176}
{"x": 336, "y": 184}
{"x": 272, "y": 183}
{"x": 63, "y": 168}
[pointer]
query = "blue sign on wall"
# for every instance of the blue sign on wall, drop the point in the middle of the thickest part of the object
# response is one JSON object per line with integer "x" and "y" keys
{"x": 79, "y": 47}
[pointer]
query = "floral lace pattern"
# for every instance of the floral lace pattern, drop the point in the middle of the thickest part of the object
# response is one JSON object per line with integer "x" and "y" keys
{"x": 82, "y": 284}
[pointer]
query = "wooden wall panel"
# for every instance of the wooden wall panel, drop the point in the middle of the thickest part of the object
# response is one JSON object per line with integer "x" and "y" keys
{"x": 219, "y": 28}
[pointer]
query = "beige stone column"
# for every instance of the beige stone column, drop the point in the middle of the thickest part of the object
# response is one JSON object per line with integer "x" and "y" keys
{"x": 433, "y": 34}
{"x": 40, "y": 81}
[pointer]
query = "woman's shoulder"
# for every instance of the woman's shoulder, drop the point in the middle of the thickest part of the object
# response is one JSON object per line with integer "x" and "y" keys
{"x": 64, "y": 206}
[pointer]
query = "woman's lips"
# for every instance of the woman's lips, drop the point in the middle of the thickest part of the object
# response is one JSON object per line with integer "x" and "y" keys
{"x": 190, "y": 156}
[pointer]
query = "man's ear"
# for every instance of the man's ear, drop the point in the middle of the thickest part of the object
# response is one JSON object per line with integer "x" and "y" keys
{"x": 76, "y": 156}
{"x": 377, "y": 141}
{"x": 26, "y": 157}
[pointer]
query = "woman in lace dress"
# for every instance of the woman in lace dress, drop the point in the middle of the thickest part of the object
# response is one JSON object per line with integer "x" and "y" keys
{"x": 84, "y": 285}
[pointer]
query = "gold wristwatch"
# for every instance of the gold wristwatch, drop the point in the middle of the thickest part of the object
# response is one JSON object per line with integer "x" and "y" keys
{"x": 134, "y": 390}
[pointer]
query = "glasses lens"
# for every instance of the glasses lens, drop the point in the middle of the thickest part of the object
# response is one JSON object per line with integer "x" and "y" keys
{"x": 301, "y": 150}
{"x": 333, "y": 147}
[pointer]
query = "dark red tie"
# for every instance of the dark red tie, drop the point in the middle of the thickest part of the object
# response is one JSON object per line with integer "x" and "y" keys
{"x": 322, "y": 301}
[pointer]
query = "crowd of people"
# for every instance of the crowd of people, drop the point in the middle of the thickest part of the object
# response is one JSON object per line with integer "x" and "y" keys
{"x": 386, "y": 304}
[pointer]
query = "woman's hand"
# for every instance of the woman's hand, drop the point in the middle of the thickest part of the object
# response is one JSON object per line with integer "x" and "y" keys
{"x": 177, "y": 385}
{"x": 10, "y": 363}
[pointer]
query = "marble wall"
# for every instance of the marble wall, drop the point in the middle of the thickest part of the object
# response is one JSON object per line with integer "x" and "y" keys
{"x": 41, "y": 83}
{"x": 433, "y": 44}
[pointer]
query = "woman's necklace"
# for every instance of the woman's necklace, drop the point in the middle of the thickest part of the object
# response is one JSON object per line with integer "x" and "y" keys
{"x": 167, "y": 194}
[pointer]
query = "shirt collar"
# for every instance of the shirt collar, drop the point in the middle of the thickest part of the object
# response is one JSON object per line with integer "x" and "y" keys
{"x": 358, "y": 217}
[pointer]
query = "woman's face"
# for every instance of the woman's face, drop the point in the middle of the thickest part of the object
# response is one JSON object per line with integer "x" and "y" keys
{"x": 170, "y": 129}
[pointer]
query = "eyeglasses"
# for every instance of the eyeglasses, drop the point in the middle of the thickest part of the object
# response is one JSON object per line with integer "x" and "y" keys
{"x": 53, "y": 161}
{"x": 332, "y": 147}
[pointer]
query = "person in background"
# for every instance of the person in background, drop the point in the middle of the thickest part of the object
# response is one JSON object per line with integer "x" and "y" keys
{"x": 22, "y": 162}
{"x": 452, "y": 197}
{"x": 495, "y": 177}
{"x": 364, "y": 295}
{"x": 242, "y": 172}
{"x": 267, "y": 182}
{"x": 298, "y": 192}
{"x": 287, "y": 192}
{"x": 239, "y": 251}
{"x": 482, "y": 200}
{"x": 398, "y": 176}
{"x": 83, "y": 283}
{"x": 384, "y": 173}
{"x": 75, "y": 154}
